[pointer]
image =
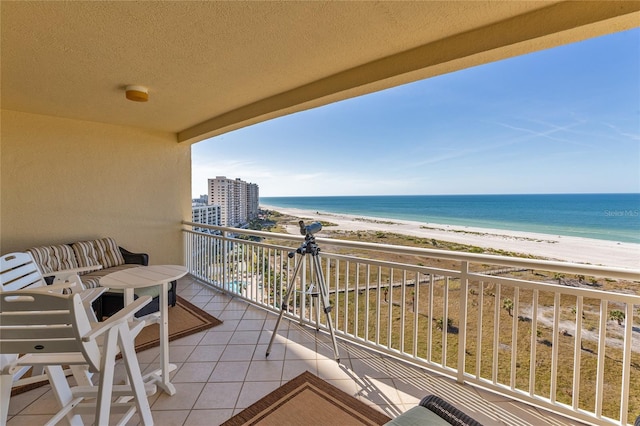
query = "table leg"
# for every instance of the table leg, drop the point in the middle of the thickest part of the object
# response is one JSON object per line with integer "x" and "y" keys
{"x": 128, "y": 296}
{"x": 160, "y": 377}
{"x": 164, "y": 382}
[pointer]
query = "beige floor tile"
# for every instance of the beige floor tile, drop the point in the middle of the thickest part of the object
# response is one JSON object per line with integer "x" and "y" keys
{"x": 216, "y": 337}
{"x": 369, "y": 367}
{"x": 46, "y": 404}
{"x": 237, "y": 305}
{"x": 250, "y": 324}
{"x": 148, "y": 356}
{"x": 214, "y": 305}
{"x": 227, "y": 325}
{"x": 301, "y": 336}
{"x": 28, "y": 420}
{"x": 293, "y": 368}
{"x": 277, "y": 351}
{"x": 254, "y": 391}
{"x": 219, "y": 395}
{"x": 230, "y": 315}
{"x": 193, "y": 372}
{"x": 265, "y": 336}
{"x": 191, "y": 340}
{"x": 208, "y": 417}
{"x": 19, "y": 402}
{"x": 380, "y": 392}
{"x": 206, "y": 353}
{"x": 330, "y": 369}
{"x": 200, "y": 300}
{"x": 184, "y": 399}
{"x": 298, "y": 351}
{"x": 265, "y": 370}
{"x": 245, "y": 337}
{"x": 180, "y": 353}
{"x": 238, "y": 353}
{"x": 255, "y": 314}
{"x": 230, "y": 371}
{"x": 170, "y": 417}
{"x": 345, "y": 385}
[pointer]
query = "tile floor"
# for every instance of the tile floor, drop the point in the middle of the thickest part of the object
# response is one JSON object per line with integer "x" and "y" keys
{"x": 224, "y": 370}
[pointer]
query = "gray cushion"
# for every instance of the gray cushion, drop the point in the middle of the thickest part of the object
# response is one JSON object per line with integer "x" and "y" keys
{"x": 418, "y": 416}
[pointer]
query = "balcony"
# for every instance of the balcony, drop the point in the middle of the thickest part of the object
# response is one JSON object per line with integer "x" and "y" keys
{"x": 540, "y": 361}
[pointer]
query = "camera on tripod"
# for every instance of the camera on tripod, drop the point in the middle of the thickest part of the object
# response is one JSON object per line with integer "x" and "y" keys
{"x": 310, "y": 247}
{"x": 309, "y": 229}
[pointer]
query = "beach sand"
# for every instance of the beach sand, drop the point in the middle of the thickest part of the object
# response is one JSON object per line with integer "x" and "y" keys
{"x": 552, "y": 247}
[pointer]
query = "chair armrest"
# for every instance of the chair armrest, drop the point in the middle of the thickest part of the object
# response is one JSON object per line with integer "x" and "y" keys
{"x": 74, "y": 285}
{"x": 134, "y": 258}
{"x": 119, "y": 317}
{"x": 91, "y": 294}
{"x": 64, "y": 273}
{"x": 53, "y": 288}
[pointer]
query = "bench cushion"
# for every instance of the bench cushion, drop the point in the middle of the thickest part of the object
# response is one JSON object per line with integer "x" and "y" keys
{"x": 103, "y": 252}
{"x": 54, "y": 258}
{"x": 109, "y": 254}
{"x": 85, "y": 254}
{"x": 418, "y": 416}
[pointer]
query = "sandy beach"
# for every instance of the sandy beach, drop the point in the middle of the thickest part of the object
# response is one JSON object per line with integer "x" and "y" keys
{"x": 553, "y": 247}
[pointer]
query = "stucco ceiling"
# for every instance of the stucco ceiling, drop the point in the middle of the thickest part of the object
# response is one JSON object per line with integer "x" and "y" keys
{"x": 215, "y": 66}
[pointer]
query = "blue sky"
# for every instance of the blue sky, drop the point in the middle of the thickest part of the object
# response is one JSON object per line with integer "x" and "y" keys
{"x": 564, "y": 120}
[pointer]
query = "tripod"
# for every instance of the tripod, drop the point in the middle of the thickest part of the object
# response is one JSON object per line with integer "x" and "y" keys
{"x": 309, "y": 246}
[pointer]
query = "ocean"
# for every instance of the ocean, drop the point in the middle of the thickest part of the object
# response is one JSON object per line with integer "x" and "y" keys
{"x": 614, "y": 217}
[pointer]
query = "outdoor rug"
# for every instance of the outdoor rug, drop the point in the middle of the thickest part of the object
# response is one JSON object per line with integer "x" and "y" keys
{"x": 184, "y": 319}
{"x": 310, "y": 401}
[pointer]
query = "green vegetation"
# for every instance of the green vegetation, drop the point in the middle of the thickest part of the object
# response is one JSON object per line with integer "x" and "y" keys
{"x": 617, "y": 315}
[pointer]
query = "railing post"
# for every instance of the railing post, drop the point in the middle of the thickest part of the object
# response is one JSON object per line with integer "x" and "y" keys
{"x": 462, "y": 328}
{"x": 225, "y": 260}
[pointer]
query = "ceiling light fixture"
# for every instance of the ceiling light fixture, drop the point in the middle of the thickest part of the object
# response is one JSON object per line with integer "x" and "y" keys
{"x": 137, "y": 93}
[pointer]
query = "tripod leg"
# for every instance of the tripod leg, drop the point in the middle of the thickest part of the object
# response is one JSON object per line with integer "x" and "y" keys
{"x": 324, "y": 297}
{"x": 285, "y": 303}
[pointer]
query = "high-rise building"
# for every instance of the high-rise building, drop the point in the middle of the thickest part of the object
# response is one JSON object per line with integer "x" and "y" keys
{"x": 200, "y": 201}
{"x": 238, "y": 200}
{"x": 209, "y": 215}
{"x": 253, "y": 200}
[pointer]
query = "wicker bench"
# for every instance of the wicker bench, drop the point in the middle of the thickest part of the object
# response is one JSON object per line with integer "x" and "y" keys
{"x": 104, "y": 253}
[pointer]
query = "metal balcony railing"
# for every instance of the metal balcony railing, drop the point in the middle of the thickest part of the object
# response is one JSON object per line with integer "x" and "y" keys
{"x": 502, "y": 323}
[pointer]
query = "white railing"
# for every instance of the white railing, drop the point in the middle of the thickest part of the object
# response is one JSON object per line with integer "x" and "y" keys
{"x": 501, "y": 323}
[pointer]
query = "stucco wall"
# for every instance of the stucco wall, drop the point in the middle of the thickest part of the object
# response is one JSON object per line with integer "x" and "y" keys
{"x": 66, "y": 180}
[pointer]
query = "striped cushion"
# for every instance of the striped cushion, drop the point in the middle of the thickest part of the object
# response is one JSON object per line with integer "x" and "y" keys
{"x": 54, "y": 258}
{"x": 109, "y": 254}
{"x": 62, "y": 257}
{"x": 85, "y": 254}
{"x": 42, "y": 257}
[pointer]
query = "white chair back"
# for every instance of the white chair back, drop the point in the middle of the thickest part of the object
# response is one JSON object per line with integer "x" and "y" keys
{"x": 35, "y": 322}
{"x": 19, "y": 271}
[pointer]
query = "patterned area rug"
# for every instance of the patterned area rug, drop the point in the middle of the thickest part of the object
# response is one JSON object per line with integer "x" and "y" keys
{"x": 184, "y": 319}
{"x": 310, "y": 401}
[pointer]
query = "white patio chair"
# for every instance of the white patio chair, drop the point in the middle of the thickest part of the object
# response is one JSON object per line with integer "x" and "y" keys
{"x": 19, "y": 271}
{"x": 53, "y": 330}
